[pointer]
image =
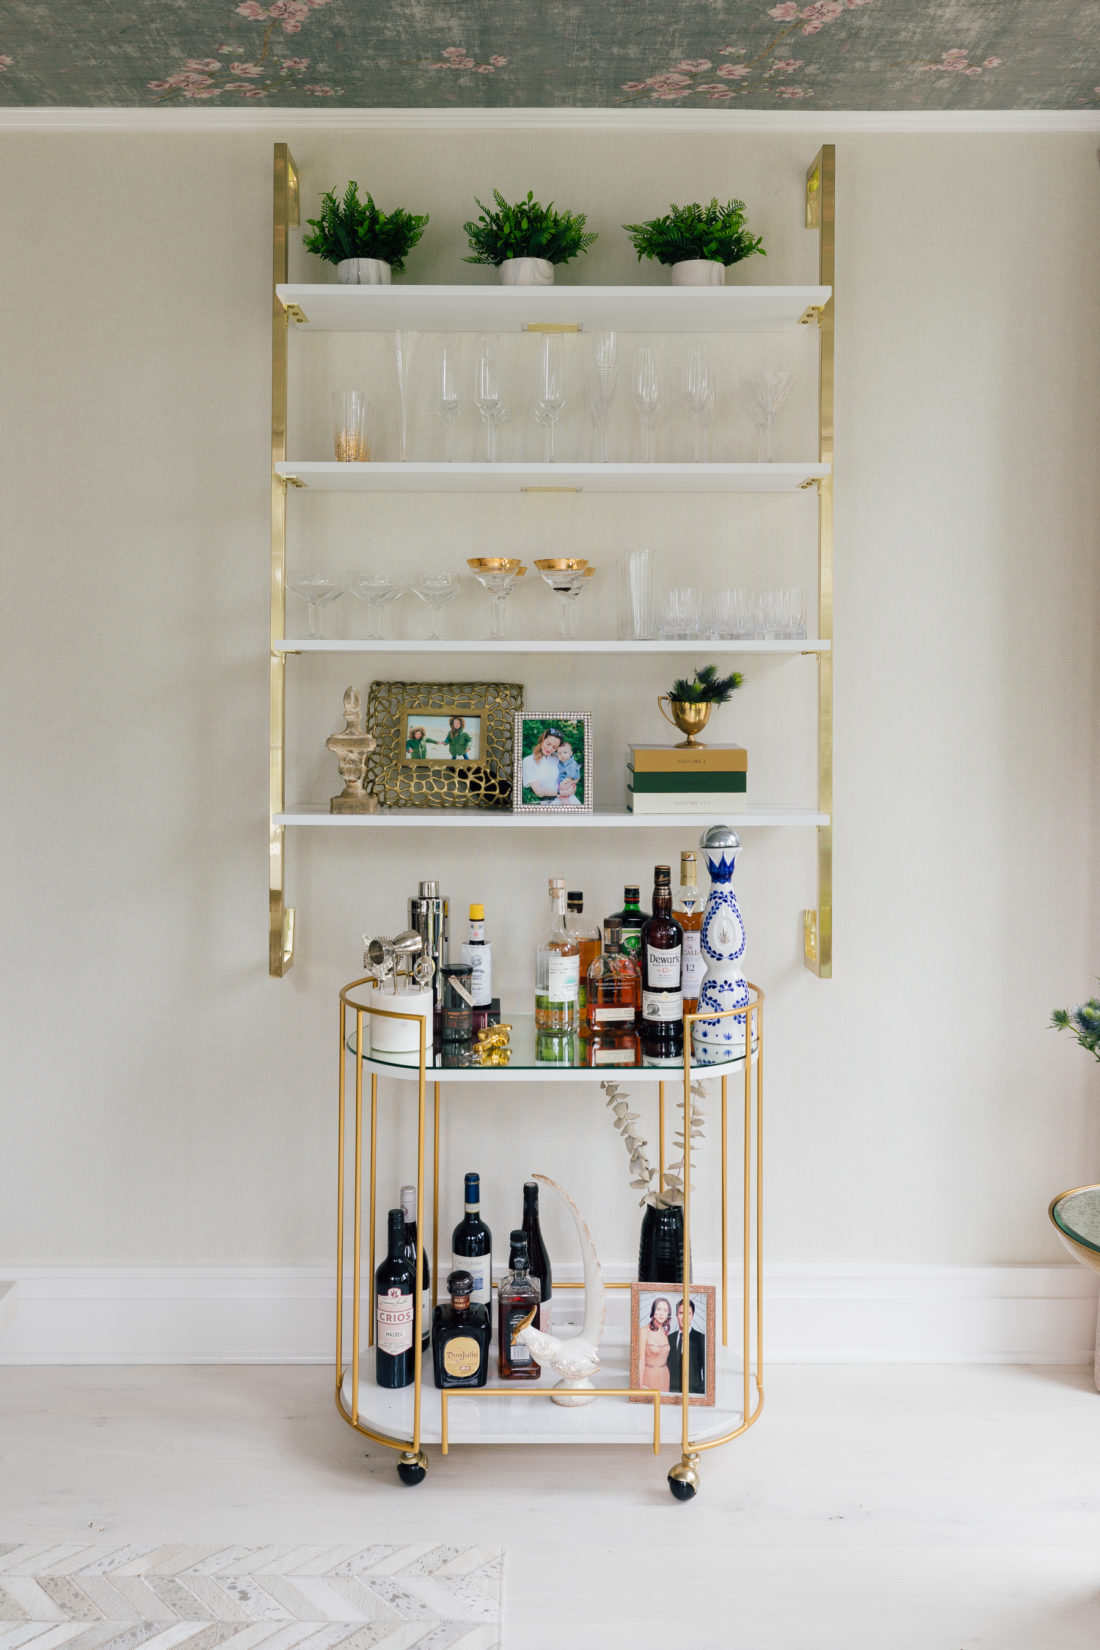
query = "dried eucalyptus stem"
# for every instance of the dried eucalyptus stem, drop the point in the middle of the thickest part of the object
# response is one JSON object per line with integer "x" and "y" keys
{"x": 644, "y": 1177}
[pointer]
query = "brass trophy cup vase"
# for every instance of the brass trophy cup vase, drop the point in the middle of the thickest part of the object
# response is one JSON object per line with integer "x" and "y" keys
{"x": 688, "y": 718}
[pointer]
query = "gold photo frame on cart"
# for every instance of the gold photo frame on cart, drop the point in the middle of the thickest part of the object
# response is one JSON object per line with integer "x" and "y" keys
{"x": 442, "y": 744}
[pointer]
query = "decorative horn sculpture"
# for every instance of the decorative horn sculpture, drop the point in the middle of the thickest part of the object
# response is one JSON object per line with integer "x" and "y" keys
{"x": 577, "y": 1359}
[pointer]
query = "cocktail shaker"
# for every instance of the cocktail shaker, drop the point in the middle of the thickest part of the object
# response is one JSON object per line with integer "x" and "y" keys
{"x": 428, "y": 915}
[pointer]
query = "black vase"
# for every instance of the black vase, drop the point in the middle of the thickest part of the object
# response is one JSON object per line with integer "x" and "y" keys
{"x": 661, "y": 1250}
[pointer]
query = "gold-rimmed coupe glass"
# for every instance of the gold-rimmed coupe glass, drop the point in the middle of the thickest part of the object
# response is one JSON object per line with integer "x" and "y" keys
{"x": 499, "y": 575}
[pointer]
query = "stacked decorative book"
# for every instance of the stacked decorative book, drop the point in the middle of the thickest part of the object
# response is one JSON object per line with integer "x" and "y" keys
{"x": 687, "y": 779}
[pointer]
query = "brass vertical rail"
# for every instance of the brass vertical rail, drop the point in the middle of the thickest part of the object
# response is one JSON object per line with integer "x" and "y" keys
{"x": 418, "y": 1282}
{"x": 685, "y": 1327}
{"x": 284, "y": 217}
{"x": 357, "y": 1258}
{"x": 435, "y": 1199}
{"x": 821, "y": 215}
{"x": 760, "y": 1198}
{"x": 661, "y": 1139}
{"x": 340, "y": 1149}
{"x": 746, "y": 1223}
{"x": 725, "y": 1219}
{"x": 373, "y": 1182}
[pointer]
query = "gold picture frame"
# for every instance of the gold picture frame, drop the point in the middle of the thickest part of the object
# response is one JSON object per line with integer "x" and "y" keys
{"x": 658, "y": 1308}
{"x": 450, "y": 767}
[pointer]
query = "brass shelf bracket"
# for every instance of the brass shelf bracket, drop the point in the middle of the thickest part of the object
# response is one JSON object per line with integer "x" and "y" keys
{"x": 297, "y": 313}
{"x": 813, "y": 313}
{"x": 817, "y": 925}
{"x": 552, "y": 326}
{"x": 284, "y": 217}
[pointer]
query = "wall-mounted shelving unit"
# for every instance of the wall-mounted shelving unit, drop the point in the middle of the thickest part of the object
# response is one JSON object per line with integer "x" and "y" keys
{"x": 560, "y": 309}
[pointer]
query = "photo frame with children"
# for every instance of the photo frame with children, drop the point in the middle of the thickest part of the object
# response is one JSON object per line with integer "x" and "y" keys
{"x": 552, "y": 762}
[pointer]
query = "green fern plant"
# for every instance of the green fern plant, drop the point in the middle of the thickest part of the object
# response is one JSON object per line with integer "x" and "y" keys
{"x": 713, "y": 231}
{"x": 351, "y": 228}
{"x": 525, "y": 230}
{"x": 708, "y": 688}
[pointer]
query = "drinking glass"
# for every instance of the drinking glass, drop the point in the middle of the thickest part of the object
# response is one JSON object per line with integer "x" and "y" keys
{"x": 766, "y": 395}
{"x": 647, "y": 395}
{"x": 550, "y": 392}
{"x": 636, "y": 595}
{"x": 566, "y": 576}
{"x": 721, "y": 627}
{"x": 698, "y": 394}
{"x": 378, "y": 590}
{"x": 600, "y": 372}
{"x": 681, "y": 621}
{"x": 489, "y": 404}
{"x": 352, "y": 417}
{"x": 783, "y": 614}
{"x": 403, "y": 345}
{"x": 499, "y": 575}
{"x": 449, "y": 405}
{"x": 316, "y": 590}
{"x": 438, "y": 590}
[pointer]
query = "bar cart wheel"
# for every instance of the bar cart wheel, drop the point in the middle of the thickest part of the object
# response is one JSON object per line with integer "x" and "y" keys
{"x": 412, "y": 1468}
{"x": 683, "y": 1479}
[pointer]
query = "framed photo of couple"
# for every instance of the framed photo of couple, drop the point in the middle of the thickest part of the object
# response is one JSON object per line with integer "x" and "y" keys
{"x": 660, "y": 1350}
{"x": 552, "y": 762}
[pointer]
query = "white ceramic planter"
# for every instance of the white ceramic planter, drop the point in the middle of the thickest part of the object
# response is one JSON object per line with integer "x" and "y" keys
{"x": 363, "y": 272}
{"x": 400, "y": 1036}
{"x": 699, "y": 272}
{"x": 526, "y": 272}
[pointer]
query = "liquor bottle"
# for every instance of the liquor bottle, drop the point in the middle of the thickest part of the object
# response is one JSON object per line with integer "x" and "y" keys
{"x": 408, "y": 1209}
{"x": 479, "y": 954}
{"x": 557, "y": 975}
{"x": 472, "y": 1245}
{"x": 613, "y": 1048}
{"x": 394, "y": 1282}
{"x": 662, "y": 974}
{"x": 517, "y": 1299}
{"x": 631, "y": 920}
{"x": 588, "y": 937}
{"x": 537, "y": 1256}
{"x": 461, "y": 1333}
{"x": 689, "y": 914}
{"x": 614, "y": 985}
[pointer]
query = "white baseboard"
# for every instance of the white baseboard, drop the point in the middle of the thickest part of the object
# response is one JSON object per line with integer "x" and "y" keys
{"x": 813, "y": 1314}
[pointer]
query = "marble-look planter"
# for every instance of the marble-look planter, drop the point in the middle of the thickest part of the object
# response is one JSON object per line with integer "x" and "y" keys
{"x": 363, "y": 272}
{"x": 526, "y": 272}
{"x": 699, "y": 272}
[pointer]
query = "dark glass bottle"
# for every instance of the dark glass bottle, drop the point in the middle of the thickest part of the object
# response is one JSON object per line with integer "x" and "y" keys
{"x": 394, "y": 1282}
{"x": 408, "y": 1209}
{"x": 536, "y": 1252}
{"x": 517, "y": 1301}
{"x": 662, "y": 974}
{"x": 461, "y": 1332}
{"x": 631, "y": 920}
{"x": 472, "y": 1245}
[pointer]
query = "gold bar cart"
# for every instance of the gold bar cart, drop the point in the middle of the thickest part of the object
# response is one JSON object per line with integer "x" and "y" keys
{"x": 407, "y": 1419}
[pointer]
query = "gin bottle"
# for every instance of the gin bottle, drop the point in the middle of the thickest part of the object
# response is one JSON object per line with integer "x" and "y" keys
{"x": 558, "y": 969}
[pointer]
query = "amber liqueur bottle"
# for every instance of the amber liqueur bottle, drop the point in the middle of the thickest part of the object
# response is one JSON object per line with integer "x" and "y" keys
{"x": 460, "y": 1336}
{"x": 517, "y": 1302}
{"x": 690, "y": 905}
{"x": 662, "y": 962}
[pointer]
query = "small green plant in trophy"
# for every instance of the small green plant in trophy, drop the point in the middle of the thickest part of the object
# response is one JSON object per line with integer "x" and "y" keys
{"x": 691, "y": 702}
{"x": 351, "y": 748}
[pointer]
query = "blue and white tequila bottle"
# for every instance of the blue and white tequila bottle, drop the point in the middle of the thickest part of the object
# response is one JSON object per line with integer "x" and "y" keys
{"x": 722, "y": 941}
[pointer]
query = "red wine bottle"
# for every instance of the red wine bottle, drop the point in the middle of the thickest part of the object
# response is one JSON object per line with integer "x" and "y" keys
{"x": 536, "y": 1252}
{"x": 472, "y": 1245}
{"x": 394, "y": 1285}
{"x": 408, "y": 1208}
{"x": 662, "y": 974}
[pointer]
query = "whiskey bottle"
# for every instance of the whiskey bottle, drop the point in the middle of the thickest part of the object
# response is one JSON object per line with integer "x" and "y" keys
{"x": 517, "y": 1302}
{"x": 536, "y": 1252}
{"x": 394, "y": 1283}
{"x": 557, "y": 973}
{"x": 588, "y": 937}
{"x": 613, "y": 1048}
{"x": 689, "y": 914}
{"x": 461, "y": 1333}
{"x": 614, "y": 985}
{"x": 631, "y": 920}
{"x": 479, "y": 954}
{"x": 472, "y": 1245}
{"x": 408, "y": 1209}
{"x": 662, "y": 974}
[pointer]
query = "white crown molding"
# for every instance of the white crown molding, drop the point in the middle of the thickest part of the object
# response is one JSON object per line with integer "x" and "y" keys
{"x": 824, "y": 124}
{"x": 869, "y": 1313}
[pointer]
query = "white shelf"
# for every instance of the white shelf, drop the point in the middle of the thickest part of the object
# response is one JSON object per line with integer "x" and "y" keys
{"x": 493, "y": 308}
{"x": 328, "y": 476}
{"x": 501, "y": 819}
{"x": 475, "y": 1419}
{"x": 553, "y": 645}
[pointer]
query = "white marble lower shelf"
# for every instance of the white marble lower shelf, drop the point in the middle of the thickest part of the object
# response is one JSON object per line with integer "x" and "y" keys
{"x": 474, "y": 1418}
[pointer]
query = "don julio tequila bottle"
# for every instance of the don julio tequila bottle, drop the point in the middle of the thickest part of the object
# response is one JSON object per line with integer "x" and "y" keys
{"x": 557, "y": 969}
{"x": 460, "y": 1336}
{"x": 662, "y": 974}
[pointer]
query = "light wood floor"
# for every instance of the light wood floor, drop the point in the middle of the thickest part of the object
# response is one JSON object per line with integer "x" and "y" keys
{"x": 871, "y": 1508}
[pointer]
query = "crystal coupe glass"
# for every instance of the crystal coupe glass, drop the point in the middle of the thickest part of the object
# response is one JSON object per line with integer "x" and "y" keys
{"x": 566, "y": 576}
{"x": 378, "y": 590}
{"x": 437, "y": 591}
{"x": 499, "y": 575}
{"x": 316, "y": 590}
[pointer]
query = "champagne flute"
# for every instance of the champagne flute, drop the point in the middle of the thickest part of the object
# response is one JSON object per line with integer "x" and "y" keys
{"x": 403, "y": 345}
{"x": 550, "y": 397}
{"x": 699, "y": 394}
{"x": 449, "y": 405}
{"x": 489, "y": 404}
{"x": 601, "y": 367}
{"x": 647, "y": 395}
{"x": 766, "y": 394}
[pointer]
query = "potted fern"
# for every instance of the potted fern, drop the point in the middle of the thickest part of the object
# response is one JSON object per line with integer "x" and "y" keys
{"x": 697, "y": 242}
{"x": 366, "y": 244}
{"x": 526, "y": 241}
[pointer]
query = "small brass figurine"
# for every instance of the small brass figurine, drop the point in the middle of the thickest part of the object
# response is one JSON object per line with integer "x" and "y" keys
{"x": 492, "y": 1047}
{"x": 351, "y": 748}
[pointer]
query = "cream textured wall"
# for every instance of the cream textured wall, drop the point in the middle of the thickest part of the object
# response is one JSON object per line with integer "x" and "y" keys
{"x": 163, "y": 1101}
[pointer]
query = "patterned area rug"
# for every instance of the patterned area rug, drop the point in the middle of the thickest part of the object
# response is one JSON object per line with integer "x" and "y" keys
{"x": 416, "y": 1597}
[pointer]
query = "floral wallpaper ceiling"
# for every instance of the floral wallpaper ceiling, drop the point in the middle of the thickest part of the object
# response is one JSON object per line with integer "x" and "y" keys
{"x": 470, "y": 54}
